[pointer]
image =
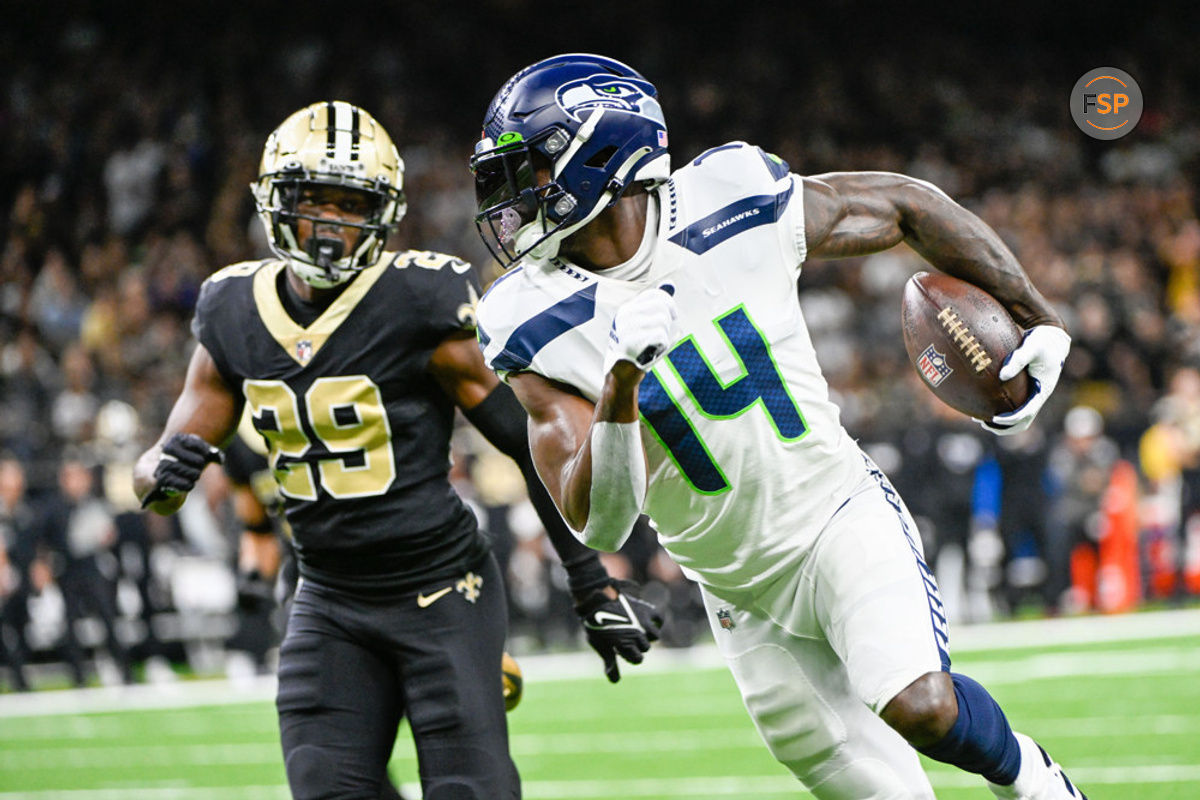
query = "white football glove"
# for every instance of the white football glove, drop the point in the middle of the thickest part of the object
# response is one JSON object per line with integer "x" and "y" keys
{"x": 1042, "y": 352}
{"x": 643, "y": 329}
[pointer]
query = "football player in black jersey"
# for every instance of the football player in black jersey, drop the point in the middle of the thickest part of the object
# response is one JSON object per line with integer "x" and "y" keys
{"x": 266, "y": 567}
{"x": 351, "y": 361}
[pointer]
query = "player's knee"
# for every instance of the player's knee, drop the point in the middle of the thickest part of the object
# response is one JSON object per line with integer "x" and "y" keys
{"x": 801, "y": 734}
{"x": 925, "y": 711}
{"x": 313, "y": 774}
{"x": 309, "y": 772}
{"x": 454, "y": 791}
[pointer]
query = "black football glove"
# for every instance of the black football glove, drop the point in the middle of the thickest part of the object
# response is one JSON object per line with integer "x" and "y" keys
{"x": 624, "y": 625}
{"x": 184, "y": 457}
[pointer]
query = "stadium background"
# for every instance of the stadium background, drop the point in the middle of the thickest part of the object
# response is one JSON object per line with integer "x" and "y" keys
{"x": 129, "y": 133}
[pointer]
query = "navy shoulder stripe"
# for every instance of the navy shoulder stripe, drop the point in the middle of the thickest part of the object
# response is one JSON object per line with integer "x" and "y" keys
{"x": 535, "y": 333}
{"x": 501, "y": 280}
{"x": 725, "y": 223}
{"x": 775, "y": 165}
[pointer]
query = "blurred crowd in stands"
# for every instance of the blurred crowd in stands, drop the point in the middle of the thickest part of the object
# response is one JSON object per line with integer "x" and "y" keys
{"x": 127, "y": 143}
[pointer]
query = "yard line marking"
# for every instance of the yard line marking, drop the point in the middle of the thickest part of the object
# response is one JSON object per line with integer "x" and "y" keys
{"x": 1182, "y": 659}
{"x": 215, "y": 754}
{"x": 719, "y": 738}
{"x": 186, "y": 723}
{"x": 1029, "y": 634}
{"x": 260, "y": 792}
{"x": 1090, "y": 663}
{"x": 741, "y": 786}
{"x": 226, "y": 754}
{"x": 751, "y": 786}
{"x": 1104, "y": 726}
{"x": 1035, "y": 633}
{"x": 1087, "y": 776}
{"x": 260, "y": 689}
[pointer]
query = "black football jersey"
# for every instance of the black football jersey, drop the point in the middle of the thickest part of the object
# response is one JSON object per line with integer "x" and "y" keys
{"x": 358, "y": 430}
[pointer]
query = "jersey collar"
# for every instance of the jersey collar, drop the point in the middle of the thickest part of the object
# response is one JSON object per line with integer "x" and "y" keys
{"x": 301, "y": 343}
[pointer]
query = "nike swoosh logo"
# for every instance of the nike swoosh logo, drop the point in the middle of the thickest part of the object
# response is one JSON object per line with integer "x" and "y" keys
{"x": 601, "y": 617}
{"x": 425, "y": 601}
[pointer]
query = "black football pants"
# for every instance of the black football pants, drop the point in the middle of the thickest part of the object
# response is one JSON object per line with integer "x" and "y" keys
{"x": 350, "y": 667}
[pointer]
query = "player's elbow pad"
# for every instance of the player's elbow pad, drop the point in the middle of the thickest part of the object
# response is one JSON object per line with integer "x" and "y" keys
{"x": 618, "y": 485}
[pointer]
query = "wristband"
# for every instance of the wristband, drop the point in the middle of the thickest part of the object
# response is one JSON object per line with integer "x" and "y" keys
{"x": 618, "y": 485}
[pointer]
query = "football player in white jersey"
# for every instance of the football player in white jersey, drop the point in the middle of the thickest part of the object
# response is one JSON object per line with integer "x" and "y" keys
{"x": 650, "y": 325}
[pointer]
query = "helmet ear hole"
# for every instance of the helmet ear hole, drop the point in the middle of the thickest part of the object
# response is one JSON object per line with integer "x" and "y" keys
{"x": 601, "y": 157}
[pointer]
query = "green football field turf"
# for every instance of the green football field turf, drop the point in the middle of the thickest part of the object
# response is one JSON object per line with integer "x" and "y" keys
{"x": 1122, "y": 712}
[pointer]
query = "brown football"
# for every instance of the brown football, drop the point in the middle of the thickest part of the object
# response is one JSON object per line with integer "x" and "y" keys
{"x": 957, "y": 337}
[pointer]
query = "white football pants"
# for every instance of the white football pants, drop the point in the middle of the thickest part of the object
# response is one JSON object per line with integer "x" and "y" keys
{"x": 820, "y": 651}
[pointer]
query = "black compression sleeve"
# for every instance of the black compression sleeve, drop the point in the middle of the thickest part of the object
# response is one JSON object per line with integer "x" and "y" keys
{"x": 501, "y": 419}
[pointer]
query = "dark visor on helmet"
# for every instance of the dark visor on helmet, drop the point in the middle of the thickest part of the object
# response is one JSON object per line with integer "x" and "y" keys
{"x": 509, "y": 198}
{"x": 501, "y": 175}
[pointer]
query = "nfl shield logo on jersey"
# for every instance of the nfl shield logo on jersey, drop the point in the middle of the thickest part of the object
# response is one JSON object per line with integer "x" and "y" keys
{"x": 304, "y": 350}
{"x": 726, "y": 619}
{"x": 933, "y": 366}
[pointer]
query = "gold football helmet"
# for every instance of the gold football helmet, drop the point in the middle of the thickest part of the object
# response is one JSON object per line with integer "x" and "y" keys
{"x": 335, "y": 144}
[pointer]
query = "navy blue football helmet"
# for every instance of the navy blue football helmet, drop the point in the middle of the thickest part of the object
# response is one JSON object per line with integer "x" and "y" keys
{"x": 591, "y": 125}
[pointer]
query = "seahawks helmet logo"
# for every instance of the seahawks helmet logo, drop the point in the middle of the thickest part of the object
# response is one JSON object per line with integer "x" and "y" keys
{"x": 604, "y": 91}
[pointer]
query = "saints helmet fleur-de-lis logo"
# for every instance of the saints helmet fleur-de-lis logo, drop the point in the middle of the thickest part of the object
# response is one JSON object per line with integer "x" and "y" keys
{"x": 468, "y": 586}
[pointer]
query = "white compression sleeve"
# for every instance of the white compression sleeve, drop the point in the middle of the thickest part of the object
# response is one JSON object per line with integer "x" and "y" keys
{"x": 618, "y": 485}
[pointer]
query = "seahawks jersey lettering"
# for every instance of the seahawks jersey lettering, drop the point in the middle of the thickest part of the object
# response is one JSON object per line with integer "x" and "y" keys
{"x": 736, "y": 418}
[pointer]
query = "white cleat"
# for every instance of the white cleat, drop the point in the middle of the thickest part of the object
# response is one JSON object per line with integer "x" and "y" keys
{"x": 1039, "y": 778}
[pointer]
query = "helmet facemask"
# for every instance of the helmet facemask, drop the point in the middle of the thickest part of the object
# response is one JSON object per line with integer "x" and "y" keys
{"x": 518, "y": 217}
{"x": 325, "y": 260}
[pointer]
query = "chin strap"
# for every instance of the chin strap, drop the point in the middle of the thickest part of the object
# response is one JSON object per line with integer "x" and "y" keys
{"x": 326, "y": 250}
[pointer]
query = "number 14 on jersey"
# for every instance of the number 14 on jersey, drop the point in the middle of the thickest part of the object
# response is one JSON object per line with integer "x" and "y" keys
{"x": 760, "y": 384}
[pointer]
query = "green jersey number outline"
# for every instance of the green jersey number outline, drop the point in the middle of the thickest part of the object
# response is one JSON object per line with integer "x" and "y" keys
{"x": 759, "y": 385}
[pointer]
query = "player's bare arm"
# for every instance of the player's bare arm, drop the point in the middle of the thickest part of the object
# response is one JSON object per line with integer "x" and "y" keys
{"x": 206, "y": 408}
{"x": 857, "y": 213}
{"x": 560, "y": 432}
{"x": 591, "y": 457}
{"x": 606, "y": 608}
{"x": 457, "y": 366}
{"x": 558, "y": 436}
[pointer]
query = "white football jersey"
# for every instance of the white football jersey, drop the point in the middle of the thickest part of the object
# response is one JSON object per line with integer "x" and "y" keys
{"x": 747, "y": 456}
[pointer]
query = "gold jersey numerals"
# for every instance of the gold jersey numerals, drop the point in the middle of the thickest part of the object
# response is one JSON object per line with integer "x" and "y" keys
{"x": 347, "y": 416}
